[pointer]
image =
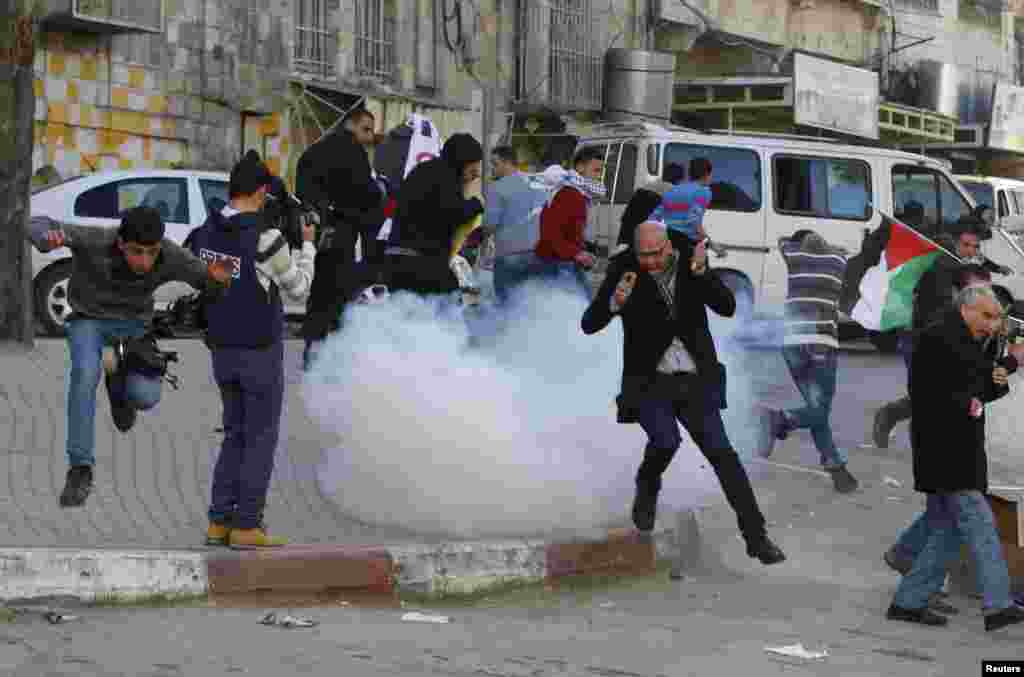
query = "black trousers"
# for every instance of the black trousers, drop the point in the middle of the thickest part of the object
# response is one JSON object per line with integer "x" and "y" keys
{"x": 679, "y": 398}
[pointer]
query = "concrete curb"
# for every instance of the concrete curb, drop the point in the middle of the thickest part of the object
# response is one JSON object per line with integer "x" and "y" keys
{"x": 454, "y": 568}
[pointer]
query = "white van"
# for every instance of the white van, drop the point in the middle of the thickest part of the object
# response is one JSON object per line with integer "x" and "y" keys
{"x": 769, "y": 186}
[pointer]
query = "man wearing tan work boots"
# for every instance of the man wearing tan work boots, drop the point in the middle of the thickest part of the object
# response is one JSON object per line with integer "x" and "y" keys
{"x": 245, "y": 332}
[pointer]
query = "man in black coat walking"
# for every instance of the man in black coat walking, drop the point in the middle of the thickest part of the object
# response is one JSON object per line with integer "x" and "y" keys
{"x": 951, "y": 379}
{"x": 671, "y": 371}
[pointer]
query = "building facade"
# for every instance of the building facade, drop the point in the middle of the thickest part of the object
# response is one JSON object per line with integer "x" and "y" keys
{"x": 193, "y": 83}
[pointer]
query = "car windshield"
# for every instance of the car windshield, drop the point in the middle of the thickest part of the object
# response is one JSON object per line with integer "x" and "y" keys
{"x": 981, "y": 192}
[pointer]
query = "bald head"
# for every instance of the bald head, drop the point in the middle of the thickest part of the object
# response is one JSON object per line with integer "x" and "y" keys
{"x": 652, "y": 246}
{"x": 650, "y": 235}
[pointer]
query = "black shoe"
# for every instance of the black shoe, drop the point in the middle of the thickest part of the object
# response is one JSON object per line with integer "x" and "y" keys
{"x": 1008, "y": 616}
{"x": 77, "y": 487}
{"x": 766, "y": 551}
{"x": 645, "y": 509}
{"x": 900, "y": 565}
{"x": 882, "y": 427}
{"x": 843, "y": 481}
{"x": 922, "y": 616}
{"x": 935, "y": 603}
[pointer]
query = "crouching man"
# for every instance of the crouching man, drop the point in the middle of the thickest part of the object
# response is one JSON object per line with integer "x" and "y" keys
{"x": 245, "y": 333}
{"x": 113, "y": 276}
{"x": 671, "y": 371}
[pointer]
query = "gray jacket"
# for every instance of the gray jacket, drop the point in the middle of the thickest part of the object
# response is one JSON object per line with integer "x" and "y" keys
{"x": 102, "y": 286}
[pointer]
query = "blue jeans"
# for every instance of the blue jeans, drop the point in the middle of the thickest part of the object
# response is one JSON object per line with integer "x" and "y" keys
{"x": 658, "y": 417}
{"x": 511, "y": 271}
{"x": 814, "y": 372}
{"x": 565, "y": 273}
{"x": 952, "y": 519}
{"x": 86, "y": 340}
{"x": 251, "y": 386}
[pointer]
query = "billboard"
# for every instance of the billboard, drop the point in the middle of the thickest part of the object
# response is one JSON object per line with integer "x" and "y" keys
{"x": 1006, "y": 131}
{"x": 834, "y": 96}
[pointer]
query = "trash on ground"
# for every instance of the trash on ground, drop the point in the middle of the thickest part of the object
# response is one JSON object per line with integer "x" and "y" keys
{"x": 607, "y": 605}
{"x": 56, "y": 618}
{"x": 416, "y": 617}
{"x": 895, "y": 498}
{"x": 288, "y": 621}
{"x": 892, "y": 481}
{"x": 796, "y": 651}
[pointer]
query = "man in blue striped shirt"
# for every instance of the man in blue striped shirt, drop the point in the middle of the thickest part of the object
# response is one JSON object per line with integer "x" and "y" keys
{"x": 810, "y": 348}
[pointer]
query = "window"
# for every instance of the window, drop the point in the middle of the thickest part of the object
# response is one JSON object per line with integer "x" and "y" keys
{"x": 980, "y": 191}
{"x": 620, "y": 171}
{"x": 575, "y": 66}
{"x": 823, "y": 187}
{"x": 926, "y": 198}
{"x": 315, "y": 50}
{"x": 1004, "y": 205}
{"x": 735, "y": 174}
{"x": 111, "y": 200}
{"x": 215, "y": 194}
{"x": 375, "y": 38}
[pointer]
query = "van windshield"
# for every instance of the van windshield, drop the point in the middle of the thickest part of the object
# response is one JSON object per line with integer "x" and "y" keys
{"x": 981, "y": 192}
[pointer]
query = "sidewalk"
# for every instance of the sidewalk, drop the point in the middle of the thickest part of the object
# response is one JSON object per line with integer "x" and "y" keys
{"x": 141, "y": 531}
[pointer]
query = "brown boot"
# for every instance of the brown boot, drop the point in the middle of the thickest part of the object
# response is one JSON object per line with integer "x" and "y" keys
{"x": 245, "y": 539}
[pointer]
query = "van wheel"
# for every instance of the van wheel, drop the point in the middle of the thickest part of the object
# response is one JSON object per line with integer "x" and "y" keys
{"x": 51, "y": 297}
{"x": 742, "y": 290}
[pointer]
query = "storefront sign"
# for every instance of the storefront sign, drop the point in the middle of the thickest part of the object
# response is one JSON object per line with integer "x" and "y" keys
{"x": 835, "y": 96}
{"x": 1006, "y": 132}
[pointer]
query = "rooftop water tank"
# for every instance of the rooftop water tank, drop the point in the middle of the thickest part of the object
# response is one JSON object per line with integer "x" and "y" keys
{"x": 639, "y": 85}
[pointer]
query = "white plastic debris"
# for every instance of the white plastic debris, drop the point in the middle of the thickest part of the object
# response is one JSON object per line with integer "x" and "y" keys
{"x": 416, "y": 617}
{"x": 56, "y": 618}
{"x": 607, "y": 605}
{"x": 892, "y": 481}
{"x": 288, "y": 621}
{"x": 797, "y": 651}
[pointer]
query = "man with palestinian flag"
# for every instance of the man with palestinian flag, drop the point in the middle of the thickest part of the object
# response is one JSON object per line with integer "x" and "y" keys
{"x": 899, "y": 282}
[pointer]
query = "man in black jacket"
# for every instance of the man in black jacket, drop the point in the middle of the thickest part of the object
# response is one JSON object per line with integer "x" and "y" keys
{"x": 933, "y": 295}
{"x": 334, "y": 175}
{"x": 432, "y": 204}
{"x": 951, "y": 379}
{"x": 671, "y": 371}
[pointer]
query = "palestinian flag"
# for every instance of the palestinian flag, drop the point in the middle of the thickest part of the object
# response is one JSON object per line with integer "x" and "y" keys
{"x": 878, "y": 289}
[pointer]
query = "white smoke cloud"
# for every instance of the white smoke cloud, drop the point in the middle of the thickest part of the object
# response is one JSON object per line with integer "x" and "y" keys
{"x": 512, "y": 435}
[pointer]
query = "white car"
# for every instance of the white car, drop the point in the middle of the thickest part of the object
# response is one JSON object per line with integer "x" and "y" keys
{"x": 99, "y": 199}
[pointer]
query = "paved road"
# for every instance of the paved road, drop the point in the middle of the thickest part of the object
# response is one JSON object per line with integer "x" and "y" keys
{"x": 153, "y": 484}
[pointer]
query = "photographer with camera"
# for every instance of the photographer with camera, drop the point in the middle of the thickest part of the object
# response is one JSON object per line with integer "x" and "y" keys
{"x": 113, "y": 277}
{"x": 245, "y": 333}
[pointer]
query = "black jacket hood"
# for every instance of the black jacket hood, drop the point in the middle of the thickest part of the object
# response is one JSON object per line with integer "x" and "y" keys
{"x": 460, "y": 150}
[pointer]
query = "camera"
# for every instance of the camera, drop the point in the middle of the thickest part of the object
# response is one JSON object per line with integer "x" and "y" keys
{"x": 287, "y": 213}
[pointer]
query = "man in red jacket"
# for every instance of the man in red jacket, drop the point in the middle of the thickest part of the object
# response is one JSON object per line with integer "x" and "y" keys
{"x": 564, "y": 220}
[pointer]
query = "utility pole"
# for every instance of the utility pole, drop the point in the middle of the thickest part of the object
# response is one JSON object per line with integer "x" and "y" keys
{"x": 18, "y": 30}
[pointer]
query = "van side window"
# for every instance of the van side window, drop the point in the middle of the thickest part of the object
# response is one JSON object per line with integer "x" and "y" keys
{"x": 1004, "y": 206}
{"x": 822, "y": 187}
{"x": 1020, "y": 201}
{"x": 925, "y": 198}
{"x": 735, "y": 174}
{"x": 619, "y": 170}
